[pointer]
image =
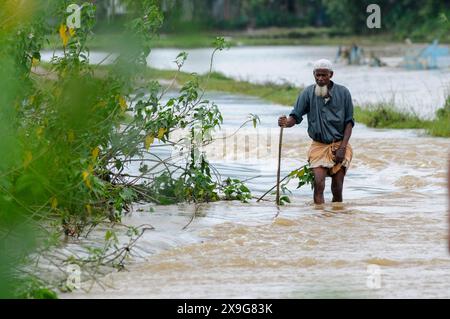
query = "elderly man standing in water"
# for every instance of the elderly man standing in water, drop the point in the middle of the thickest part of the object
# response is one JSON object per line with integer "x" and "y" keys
{"x": 329, "y": 109}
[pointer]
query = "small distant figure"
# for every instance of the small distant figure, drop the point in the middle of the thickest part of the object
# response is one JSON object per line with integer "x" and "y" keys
{"x": 353, "y": 55}
{"x": 356, "y": 54}
{"x": 338, "y": 55}
{"x": 343, "y": 55}
{"x": 375, "y": 61}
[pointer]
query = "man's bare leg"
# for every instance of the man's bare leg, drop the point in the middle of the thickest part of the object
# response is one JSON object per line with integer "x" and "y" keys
{"x": 320, "y": 174}
{"x": 337, "y": 185}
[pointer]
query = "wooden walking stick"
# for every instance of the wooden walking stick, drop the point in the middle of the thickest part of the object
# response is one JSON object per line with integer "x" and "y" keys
{"x": 279, "y": 166}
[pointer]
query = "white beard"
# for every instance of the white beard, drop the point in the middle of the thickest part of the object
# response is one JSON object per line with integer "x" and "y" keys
{"x": 321, "y": 91}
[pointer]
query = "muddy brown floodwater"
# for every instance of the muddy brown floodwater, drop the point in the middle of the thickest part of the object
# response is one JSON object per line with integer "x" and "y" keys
{"x": 388, "y": 240}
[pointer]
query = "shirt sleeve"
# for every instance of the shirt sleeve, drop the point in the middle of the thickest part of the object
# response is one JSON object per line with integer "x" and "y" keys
{"x": 349, "y": 109}
{"x": 301, "y": 107}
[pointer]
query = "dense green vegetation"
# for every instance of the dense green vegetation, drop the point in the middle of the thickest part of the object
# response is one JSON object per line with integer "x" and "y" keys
{"x": 195, "y": 23}
{"x": 417, "y": 20}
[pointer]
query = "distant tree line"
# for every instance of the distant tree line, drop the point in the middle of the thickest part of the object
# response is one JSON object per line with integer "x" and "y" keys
{"x": 402, "y": 17}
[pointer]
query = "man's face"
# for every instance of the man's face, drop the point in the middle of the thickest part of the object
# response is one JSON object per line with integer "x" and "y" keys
{"x": 323, "y": 77}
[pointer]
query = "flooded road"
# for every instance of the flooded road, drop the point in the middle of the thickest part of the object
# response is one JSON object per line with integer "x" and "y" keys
{"x": 388, "y": 240}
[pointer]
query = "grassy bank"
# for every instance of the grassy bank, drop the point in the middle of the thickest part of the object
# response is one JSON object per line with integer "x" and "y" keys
{"x": 113, "y": 42}
{"x": 277, "y": 93}
{"x": 273, "y": 36}
{"x": 386, "y": 116}
{"x": 376, "y": 116}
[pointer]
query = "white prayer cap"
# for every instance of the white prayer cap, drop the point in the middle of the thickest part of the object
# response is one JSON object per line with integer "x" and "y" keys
{"x": 323, "y": 64}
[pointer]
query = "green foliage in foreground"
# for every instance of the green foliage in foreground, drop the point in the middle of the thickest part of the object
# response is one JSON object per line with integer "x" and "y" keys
{"x": 70, "y": 135}
{"x": 33, "y": 288}
{"x": 303, "y": 175}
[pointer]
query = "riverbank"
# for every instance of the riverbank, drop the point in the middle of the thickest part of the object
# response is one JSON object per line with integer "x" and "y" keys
{"x": 258, "y": 37}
